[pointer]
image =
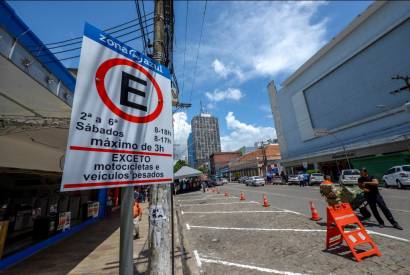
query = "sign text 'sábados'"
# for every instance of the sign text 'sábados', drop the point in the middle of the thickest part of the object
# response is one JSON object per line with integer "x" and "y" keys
{"x": 121, "y": 122}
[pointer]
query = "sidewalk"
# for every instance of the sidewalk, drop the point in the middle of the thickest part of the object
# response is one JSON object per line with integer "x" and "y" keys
{"x": 94, "y": 250}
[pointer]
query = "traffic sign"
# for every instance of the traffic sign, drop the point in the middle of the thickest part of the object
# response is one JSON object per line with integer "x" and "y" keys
{"x": 121, "y": 121}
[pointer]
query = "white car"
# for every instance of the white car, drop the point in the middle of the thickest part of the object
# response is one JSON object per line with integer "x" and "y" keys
{"x": 316, "y": 178}
{"x": 397, "y": 176}
{"x": 349, "y": 177}
{"x": 256, "y": 181}
{"x": 293, "y": 179}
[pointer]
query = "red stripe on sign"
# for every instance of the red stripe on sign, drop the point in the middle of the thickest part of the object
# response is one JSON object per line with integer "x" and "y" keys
{"x": 76, "y": 185}
{"x": 106, "y": 150}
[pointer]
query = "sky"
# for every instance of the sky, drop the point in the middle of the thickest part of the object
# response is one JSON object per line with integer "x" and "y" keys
{"x": 244, "y": 46}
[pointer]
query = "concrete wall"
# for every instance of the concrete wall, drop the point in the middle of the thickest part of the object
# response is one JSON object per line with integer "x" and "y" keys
{"x": 340, "y": 90}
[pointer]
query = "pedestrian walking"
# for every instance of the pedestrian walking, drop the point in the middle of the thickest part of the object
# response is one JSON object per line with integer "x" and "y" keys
{"x": 137, "y": 219}
{"x": 203, "y": 186}
{"x": 372, "y": 194}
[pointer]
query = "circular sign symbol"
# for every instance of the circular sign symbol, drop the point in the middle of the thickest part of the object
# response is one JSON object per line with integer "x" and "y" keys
{"x": 100, "y": 84}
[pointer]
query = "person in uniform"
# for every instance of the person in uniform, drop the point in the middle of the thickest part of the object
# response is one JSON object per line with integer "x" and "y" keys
{"x": 372, "y": 194}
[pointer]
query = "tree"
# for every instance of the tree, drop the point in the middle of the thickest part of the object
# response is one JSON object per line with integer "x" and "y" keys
{"x": 204, "y": 169}
{"x": 178, "y": 165}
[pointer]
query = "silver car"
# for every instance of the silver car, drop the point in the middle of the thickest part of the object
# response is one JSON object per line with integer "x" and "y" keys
{"x": 256, "y": 181}
{"x": 349, "y": 176}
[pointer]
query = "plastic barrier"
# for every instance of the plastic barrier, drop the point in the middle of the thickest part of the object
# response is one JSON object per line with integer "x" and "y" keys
{"x": 341, "y": 216}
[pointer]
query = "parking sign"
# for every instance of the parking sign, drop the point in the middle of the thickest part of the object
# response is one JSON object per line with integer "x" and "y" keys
{"x": 121, "y": 121}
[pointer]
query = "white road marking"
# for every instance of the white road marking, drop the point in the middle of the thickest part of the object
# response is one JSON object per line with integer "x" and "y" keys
{"x": 287, "y": 210}
{"x": 198, "y": 260}
{"x": 388, "y": 236}
{"x": 232, "y": 197}
{"x": 237, "y": 212}
{"x": 182, "y": 212}
{"x": 257, "y": 229}
{"x": 276, "y": 194}
{"x": 261, "y": 269}
{"x": 188, "y": 227}
{"x": 292, "y": 230}
{"x": 400, "y": 210}
{"x": 217, "y": 203}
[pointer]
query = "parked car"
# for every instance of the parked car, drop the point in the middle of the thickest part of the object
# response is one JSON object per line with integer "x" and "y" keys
{"x": 224, "y": 181}
{"x": 397, "y": 176}
{"x": 256, "y": 181}
{"x": 243, "y": 179}
{"x": 304, "y": 177}
{"x": 293, "y": 179}
{"x": 316, "y": 178}
{"x": 349, "y": 176}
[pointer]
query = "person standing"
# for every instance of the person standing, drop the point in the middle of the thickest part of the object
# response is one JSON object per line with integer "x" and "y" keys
{"x": 137, "y": 218}
{"x": 372, "y": 194}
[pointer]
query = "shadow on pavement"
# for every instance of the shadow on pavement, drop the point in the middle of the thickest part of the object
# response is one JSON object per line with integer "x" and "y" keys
{"x": 64, "y": 256}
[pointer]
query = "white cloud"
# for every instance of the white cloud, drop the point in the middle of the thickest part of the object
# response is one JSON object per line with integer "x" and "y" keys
{"x": 243, "y": 134}
{"x": 224, "y": 70}
{"x": 181, "y": 131}
{"x": 264, "y": 38}
{"x": 230, "y": 93}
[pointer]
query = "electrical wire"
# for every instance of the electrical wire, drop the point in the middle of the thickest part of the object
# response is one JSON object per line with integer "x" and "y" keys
{"x": 186, "y": 31}
{"x": 197, "y": 54}
{"x": 77, "y": 56}
{"x": 77, "y": 48}
{"x": 144, "y": 39}
{"x": 105, "y": 30}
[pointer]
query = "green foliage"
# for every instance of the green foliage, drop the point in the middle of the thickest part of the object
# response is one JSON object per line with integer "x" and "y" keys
{"x": 179, "y": 164}
{"x": 203, "y": 169}
{"x": 312, "y": 171}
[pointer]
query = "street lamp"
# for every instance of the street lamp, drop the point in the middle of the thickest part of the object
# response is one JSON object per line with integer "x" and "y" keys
{"x": 325, "y": 132}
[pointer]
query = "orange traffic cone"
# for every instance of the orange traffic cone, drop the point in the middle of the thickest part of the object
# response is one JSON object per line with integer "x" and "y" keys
{"x": 242, "y": 197}
{"x": 315, "y": 215}
{"x": 265, "y": 201}
{"x": 226, "y": 194}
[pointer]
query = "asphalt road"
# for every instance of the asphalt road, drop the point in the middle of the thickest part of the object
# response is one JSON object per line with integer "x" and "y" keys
{"x": 227, "y": 236}
{"x": 297, "y": 198}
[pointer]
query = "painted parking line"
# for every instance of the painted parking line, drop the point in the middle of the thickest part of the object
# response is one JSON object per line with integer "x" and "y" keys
{"x": 236, "y": 212}
{"x": 245, "y": 266}
{"x": 218, "y": 203}
{"x": 400, "y": 210}
{"x": 197, "y": 259}
{"x": 276, "y": 194}
{"x": 231, "y": 197}
{"x": 289, "y": 229}
{"x": 253, "y": 229}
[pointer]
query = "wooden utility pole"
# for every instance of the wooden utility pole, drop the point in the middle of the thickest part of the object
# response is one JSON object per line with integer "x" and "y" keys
{"x": 160, "y": 228}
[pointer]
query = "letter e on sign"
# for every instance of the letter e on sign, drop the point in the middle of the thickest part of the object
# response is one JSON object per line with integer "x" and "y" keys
{"x": 127, "y": 89}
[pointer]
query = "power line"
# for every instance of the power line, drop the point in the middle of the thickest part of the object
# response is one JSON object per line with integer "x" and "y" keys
{"x": 77, "y": 48}
{"x": 144, "y": 39}
{"x": 78, "y": 42}
{"x": 76, "y": 56}
{"x": 186, "y": 31}
{"x": 111, "y": 28}
{"x": 197, "y": 54}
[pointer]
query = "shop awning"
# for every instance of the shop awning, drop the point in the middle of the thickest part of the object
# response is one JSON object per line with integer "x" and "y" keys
{"x": 187, "y": 172}
{"x": 37, "y": 149}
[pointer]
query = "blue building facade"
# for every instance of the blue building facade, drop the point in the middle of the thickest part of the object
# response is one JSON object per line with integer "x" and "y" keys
{"x": 339, "y": 109}
{"x": 191, "y": 151}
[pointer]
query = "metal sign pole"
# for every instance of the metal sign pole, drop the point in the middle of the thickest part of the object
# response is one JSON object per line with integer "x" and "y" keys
{"x": 126, "y": 231}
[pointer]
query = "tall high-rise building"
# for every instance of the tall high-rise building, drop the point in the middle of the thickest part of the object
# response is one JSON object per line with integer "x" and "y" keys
{"x": 205, "y": 137}
{"x": 191, "y": 151}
